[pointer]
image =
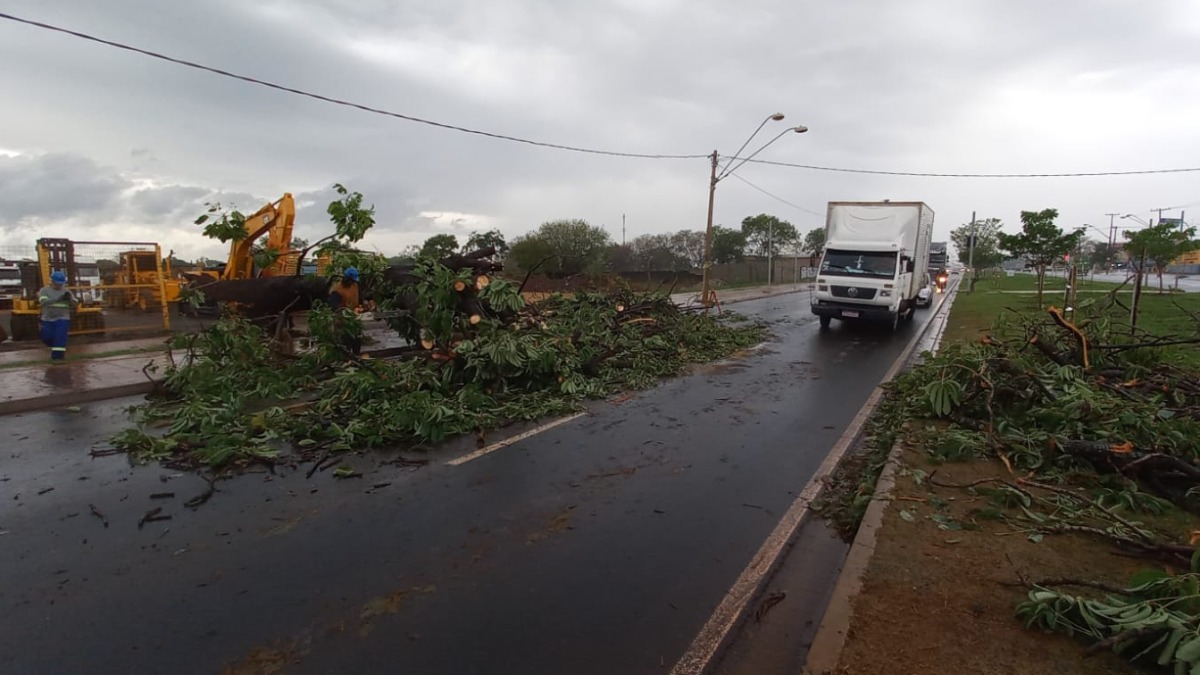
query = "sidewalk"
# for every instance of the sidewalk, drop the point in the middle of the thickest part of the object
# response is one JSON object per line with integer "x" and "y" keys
{"x": 37, "y": 385}
{"x": 735, "y": 295}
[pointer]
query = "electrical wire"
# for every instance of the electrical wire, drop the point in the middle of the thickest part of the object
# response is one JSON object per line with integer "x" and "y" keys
{"x": 336, "y": 101}
{"x": 777, "y": 198}
{"x": 972, "y": 175}
{"x": 543, "y": 144}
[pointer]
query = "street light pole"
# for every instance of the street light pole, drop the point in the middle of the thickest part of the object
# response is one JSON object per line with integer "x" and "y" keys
{"x": 706, "y": 293}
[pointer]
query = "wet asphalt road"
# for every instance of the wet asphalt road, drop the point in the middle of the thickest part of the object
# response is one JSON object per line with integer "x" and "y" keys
{"x": 598, "y": 546}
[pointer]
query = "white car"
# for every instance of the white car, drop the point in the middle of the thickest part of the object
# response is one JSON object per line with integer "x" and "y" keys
{"x": 925, "y": 295}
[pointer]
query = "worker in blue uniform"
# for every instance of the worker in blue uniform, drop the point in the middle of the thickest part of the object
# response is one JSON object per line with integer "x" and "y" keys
{"x": 56, "y": 302}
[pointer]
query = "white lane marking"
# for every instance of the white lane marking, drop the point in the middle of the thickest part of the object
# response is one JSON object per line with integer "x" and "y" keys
{"x": 729, "y": 612}
{"x": 499, "y": 445}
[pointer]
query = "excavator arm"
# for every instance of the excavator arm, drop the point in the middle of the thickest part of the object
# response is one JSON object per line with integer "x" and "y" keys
{"x": 275, "y": 221}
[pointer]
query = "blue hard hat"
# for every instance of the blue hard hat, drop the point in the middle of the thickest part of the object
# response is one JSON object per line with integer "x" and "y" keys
{"x": 351, "y": 274}
{"x": 58, "y": 277}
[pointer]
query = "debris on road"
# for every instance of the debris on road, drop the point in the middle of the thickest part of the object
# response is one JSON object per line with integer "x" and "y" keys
{"x": 96, "y": 512}
{"x": 152, "y": 516}
{"x": 479, "y": 357}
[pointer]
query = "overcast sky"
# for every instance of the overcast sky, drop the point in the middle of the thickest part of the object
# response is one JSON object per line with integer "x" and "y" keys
{"x": 97, "y": 143}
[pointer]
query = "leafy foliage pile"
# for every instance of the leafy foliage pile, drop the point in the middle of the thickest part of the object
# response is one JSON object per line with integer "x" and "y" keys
{"x": 1155, "y": 621}
{"x": 1093, "y": 420}
{"x": 231, "y": 399}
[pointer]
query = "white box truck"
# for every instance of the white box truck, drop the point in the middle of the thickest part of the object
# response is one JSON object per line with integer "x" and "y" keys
{"x": 873, "y": 267}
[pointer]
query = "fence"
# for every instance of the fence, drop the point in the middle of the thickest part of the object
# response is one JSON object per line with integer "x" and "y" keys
{"x": 751, "y": 272}
{"x": 121, "y": 287}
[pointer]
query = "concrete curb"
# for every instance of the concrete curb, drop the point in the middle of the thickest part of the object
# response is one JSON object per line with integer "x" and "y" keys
{"x": 716, "y": 634}
{"x": 826, "y": 649}
{"x": 70, "y": 398}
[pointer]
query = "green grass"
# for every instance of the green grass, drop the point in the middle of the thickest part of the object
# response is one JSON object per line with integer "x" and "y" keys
{"x": 974, "y": 313}
{"x": 1028, "y": 282}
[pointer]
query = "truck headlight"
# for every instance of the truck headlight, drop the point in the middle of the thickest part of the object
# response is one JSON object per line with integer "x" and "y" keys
{"x": 885, "y": 294}
{"x": 822, "y": 288}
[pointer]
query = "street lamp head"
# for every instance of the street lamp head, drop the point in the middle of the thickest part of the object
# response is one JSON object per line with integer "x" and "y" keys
{"x": 777, "y": 117}
{"x": 800, "y": 129}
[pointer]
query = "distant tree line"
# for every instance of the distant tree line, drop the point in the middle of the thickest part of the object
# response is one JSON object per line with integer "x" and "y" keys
{"x": 568, "y": 247}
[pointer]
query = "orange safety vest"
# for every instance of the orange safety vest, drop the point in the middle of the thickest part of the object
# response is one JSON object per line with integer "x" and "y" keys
{"x": 349, "y": 294}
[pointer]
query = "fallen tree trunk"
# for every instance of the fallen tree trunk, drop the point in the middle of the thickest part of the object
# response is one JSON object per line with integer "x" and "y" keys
{"x": 1164, "y": 475}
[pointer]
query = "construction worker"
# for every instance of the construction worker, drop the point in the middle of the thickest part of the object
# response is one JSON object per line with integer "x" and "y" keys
{"x": 56, "y": 302}
{"x": 345, "y": 294}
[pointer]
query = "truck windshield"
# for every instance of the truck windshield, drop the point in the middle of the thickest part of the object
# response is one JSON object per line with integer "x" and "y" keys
{"x": 8, "y": 274}
{"x": 859, "y": 263}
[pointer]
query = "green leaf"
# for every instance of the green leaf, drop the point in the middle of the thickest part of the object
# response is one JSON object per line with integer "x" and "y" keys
{"x": 344, "y": 471}
{"x": 1146, "y": 576}
{"x": 908, "y": 517}
{"x": 945, "y": 523}
{"x": 1036, "y": 537}
{"x": 1189, "y": 651}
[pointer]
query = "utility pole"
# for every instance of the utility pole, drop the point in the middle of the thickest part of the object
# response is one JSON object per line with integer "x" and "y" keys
{"x": 622, "y": 229}
{"x": 770, "y": 249}
{"x": 971, "y": 254}
{"x": 705, "y": 291}
{"x": 1112, "y": 239}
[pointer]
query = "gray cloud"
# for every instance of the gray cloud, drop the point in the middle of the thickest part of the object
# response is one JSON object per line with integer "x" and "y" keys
{"x": 927, "y": 85}
{"x": 37, "y": 189}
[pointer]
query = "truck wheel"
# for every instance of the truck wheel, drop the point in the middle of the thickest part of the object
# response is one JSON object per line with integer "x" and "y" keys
{"x": 825, "y": 321}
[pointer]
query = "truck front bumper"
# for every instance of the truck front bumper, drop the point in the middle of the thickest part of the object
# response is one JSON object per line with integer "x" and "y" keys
{"x": 855, "y": 312}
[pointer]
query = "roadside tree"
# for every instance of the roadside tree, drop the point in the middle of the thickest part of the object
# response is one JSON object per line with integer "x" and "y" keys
{"x": 1160, "y": 244}
{"x": 439, "y": 246}
{"x": 988, "y": 253}
{"x": 1041, "y": 243}
{"x": 729, "y": 245}
{"x": 814, "y": 242}
{"x": 767, "y": 234}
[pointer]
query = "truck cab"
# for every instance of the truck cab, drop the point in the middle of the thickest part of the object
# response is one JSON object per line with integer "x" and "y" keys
{"x": 863, "y": 284}
{"x": 874, "y": 262}
{"x": 10, "y": 283}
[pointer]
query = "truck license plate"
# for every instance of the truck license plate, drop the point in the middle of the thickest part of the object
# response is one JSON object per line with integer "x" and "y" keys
{"x": 849, "y": 314}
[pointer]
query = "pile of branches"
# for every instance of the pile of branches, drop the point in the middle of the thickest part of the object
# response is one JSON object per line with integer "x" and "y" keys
{"x": 1155, "y": 620}
{"x": 480, "y": 358}
{"x": 1090, "y": 417}
{"x": 1045, "y": 394}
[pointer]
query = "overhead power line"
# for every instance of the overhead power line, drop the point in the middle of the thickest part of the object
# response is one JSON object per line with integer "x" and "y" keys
{"x": 543, "y": 144}
{"x": 972, "y": 175}
{"x": 336, "y": 101}
{"x": 777, "y": 197}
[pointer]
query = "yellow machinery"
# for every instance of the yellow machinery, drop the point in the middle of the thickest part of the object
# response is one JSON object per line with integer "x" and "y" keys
{"x": 143, "y": 280}
{"x": 54, "y": 254}
{"x": 275, "y": 221}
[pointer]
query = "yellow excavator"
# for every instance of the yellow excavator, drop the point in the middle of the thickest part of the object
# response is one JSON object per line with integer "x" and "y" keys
{"x": 275, "y": 221}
